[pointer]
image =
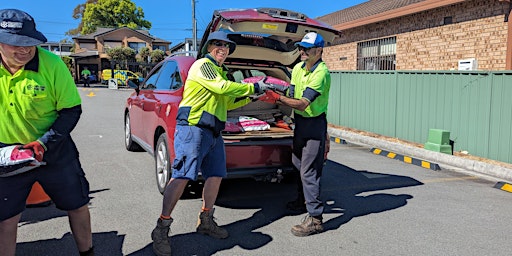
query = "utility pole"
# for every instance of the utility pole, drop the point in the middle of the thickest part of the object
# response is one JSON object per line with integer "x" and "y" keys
{"x": 194, "y": 26}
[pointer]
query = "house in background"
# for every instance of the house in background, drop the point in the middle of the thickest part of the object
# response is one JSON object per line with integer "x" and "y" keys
{"x": 422, "y": 35}
{"x": 90, "y": 50}
{"x": 185, "y": 46}
{"x": 58, "y": 48}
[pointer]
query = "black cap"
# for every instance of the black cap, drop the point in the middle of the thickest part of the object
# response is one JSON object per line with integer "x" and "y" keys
{"x": 18, "y": 28}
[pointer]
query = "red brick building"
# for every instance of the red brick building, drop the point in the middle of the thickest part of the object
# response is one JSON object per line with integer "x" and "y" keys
{"x": 422, "y": 35}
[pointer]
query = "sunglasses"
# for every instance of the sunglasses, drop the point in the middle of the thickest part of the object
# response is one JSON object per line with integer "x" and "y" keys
{"x": 304, "y": 49}
{"x": 221, "y": 44}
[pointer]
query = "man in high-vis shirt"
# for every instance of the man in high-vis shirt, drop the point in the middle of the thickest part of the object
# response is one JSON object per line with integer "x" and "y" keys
{"x": 308, "y": 95}
{"x": 39, "y": 107}
{"x": 198, "y": 143}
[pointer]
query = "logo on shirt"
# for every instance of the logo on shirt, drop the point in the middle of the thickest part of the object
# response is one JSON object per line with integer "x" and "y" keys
{"x": 36, "y": 87}
{"x": 35, "y": 90}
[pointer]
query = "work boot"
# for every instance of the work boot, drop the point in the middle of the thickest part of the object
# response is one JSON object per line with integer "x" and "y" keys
{"x": 160, "y": 236}
{"x": 309, "y": 226}
{"x": 206, "y": 225}
{"x": 298, "y": 205}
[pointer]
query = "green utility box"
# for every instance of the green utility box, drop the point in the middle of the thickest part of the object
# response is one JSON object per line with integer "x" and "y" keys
{"x": 439, "y": 141}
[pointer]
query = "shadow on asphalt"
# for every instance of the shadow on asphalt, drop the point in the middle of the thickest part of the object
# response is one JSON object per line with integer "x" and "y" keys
{"x": 105, "y": 243}
{"x": 340, "y": 188}
{"x": 108, "y": 243}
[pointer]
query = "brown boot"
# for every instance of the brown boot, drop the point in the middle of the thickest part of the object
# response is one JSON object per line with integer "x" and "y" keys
{"x": 206, "y": 225}
{"x": 309, "y": 226}
{"x": 160, "y": 236}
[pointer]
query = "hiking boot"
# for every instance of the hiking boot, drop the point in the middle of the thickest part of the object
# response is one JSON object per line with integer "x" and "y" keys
{"x": 160, "y": 236}
{"x": 206, "y": 225}
{"x": 298, "y": 205}
{"x": 309, "y": 226}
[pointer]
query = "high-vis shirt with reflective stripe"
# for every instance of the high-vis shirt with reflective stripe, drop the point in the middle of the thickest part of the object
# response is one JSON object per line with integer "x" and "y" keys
{"x": 208, "y": 95}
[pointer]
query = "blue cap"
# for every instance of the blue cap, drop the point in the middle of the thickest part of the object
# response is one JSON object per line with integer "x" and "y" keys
{"x": 311, "y": 40}
{"x": 221, "y": 36}
{"x": 18, "y": 28}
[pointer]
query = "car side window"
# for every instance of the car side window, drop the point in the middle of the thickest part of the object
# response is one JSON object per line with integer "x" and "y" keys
{"x": 150, "y": 83}
{"x": 165, "y": 80}
{"x": 170, "y": 77}
{"x": 177, "y": 81}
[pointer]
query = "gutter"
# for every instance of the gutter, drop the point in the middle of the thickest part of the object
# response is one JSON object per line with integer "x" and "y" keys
{"x": 403, "y": 11}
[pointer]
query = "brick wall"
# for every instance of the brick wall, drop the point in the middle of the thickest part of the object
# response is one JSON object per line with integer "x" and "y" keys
{"x": 478, "y": 31}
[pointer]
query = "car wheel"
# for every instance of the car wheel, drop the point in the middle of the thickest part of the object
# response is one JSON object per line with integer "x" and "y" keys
{"x": 162, "y": 163}
{"x": 129, "y": 143}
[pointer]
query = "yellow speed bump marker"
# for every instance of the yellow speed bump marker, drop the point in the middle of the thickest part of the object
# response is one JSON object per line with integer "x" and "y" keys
{"x": 504, "y": 186}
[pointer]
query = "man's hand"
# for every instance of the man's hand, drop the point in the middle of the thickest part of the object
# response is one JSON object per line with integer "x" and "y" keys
{"x": 270, "y": 97}
{"x": 263, "y": 87}
{"x": 37, "y": 148}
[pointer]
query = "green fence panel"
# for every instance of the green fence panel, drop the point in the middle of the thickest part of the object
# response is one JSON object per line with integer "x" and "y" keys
{"x": 500, "y": 139}
{"x": 475, "y": 106}
{"x": 362, "y": 100}
{"x": 457, "y": 102}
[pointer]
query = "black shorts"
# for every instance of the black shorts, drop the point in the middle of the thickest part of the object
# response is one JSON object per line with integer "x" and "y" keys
{"x": 64, "y": 183}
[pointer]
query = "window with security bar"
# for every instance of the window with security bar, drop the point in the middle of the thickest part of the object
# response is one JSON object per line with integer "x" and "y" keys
{"x": 377, "y": 54}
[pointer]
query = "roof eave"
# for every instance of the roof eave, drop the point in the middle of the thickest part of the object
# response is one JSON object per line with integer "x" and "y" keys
{"x": 399, "y": 12}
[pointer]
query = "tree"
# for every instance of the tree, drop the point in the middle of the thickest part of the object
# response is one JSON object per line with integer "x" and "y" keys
{"x": 121, "y": 55}
{"x": 108, "y": 13}
{"x": 78, "y": 13}
{"x": 69, "y": 63}
{"x": 144, "y": 53}
{"x": 157, "y": 55}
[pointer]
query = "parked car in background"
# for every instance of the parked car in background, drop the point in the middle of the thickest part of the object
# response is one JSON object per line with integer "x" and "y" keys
{"x": 119, "y": 75}
{"x": 265, "y": 40}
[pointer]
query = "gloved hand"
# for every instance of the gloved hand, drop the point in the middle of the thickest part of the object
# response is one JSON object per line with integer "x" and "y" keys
{"x": 261, "y": 86}
{"x": 37, "y": 148}
{"x": 270, "y": 97}
{"x": 279, "y": 88}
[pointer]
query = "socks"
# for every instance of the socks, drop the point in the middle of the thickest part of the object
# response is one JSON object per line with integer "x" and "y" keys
{"x": 162, "y": 217}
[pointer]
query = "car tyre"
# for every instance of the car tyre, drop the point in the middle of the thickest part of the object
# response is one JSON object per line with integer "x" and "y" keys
{"x": 162, "y": 163}
{"x": 128, "y": 141}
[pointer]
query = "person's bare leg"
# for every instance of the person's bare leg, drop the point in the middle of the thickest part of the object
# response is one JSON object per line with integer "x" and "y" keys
{"x": 172, "y": 194}
{"x": 80, "y": 223}
{"x": 8, "y": 232}
{"x": 210, "y": 191}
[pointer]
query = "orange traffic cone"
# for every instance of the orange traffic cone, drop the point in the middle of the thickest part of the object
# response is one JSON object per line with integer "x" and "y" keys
{"x": 37, "y": 196}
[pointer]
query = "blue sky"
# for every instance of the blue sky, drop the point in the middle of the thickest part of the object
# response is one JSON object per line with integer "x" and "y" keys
{"x": 171, "y": 20}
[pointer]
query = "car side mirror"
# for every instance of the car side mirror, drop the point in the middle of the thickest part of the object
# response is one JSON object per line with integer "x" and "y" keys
{"x": 133, "y": 83}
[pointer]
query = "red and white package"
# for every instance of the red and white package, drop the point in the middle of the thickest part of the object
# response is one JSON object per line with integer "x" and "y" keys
{"x": 14, "y": 160}
{"x": 269, "y": 80}
{"x": 253, "y": 124}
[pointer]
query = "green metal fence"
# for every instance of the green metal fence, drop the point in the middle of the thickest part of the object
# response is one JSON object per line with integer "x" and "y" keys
{"x": 475, "y": 106}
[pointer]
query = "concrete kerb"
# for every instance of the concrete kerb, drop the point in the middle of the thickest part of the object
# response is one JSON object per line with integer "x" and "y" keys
{"x": 482, "y": 169}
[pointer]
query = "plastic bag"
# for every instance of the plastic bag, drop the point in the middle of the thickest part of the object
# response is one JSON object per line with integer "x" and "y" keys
{"x": 14, "y": 160}
{"x": 253, "y": 124}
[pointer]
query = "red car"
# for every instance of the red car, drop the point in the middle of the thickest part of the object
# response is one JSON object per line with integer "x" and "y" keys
{"x": 265, "y": 40}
